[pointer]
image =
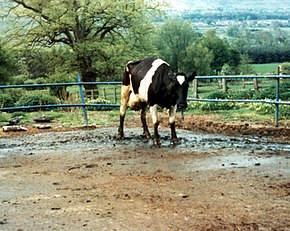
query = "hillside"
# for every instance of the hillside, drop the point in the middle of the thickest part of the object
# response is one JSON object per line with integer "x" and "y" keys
{"x": 228, "y": 5}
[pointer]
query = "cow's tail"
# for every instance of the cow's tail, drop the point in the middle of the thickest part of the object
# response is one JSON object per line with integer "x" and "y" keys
{"x": 127, "y": 71}
{"x": 126, "y": 75}
{"x": 125, "y": 95}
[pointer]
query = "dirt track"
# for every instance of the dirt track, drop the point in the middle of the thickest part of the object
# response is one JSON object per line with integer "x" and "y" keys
{"x": 87, "y": 180}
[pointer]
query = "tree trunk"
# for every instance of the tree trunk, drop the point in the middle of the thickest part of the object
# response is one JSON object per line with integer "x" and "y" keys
{"x": 88, "y": 74}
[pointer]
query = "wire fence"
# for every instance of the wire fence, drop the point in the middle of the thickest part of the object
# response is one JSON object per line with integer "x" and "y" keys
{"x": 107, "y": 94}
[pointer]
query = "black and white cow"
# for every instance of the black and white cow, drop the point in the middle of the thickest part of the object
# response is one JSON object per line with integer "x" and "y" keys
{"x": 151, "y": 82}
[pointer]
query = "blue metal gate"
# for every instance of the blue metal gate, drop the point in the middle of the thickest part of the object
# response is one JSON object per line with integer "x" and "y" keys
{"x": 84, "y": 105}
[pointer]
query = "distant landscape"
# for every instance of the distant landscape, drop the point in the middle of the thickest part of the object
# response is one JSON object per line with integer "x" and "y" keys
{"x": 223, "y": 14}
{"x": 229, "y": 5}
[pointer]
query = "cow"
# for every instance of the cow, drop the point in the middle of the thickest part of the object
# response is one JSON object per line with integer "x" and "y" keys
{"x": 150, "y": 82}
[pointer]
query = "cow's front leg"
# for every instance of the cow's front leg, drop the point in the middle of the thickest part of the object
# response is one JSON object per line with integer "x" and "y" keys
{"x": 125, "y": 94}
{"x": 146, "y": 132}
{"x": 153, "y": 111}
{"x": 172, "y": 112}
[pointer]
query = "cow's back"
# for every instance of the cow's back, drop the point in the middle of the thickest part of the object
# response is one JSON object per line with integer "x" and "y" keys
{"x": 135, "y": 71}
{"x": 149, "y": 80}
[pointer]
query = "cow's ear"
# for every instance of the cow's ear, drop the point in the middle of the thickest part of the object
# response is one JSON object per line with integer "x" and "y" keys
{"x": 192, "y": 76}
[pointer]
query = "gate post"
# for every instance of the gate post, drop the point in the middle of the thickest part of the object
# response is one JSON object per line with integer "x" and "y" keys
{"x": 277, "y": 96}
{"x": 256, "y": 85}
{"x": 195, "y": 88}
{"x": 83, "y": 99}
{"x": 224, "y": 85}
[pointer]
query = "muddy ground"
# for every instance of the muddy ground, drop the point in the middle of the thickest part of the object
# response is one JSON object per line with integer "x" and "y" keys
{"x": 222, "y": 176}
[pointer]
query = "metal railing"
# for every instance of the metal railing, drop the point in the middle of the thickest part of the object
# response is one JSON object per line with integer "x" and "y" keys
{"x": 79, "y": 83}
{"x": 276, "y": 102}
{"x": 84, "y": 105}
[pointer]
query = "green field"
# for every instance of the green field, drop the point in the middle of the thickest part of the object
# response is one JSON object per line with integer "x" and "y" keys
{"x": 267, "y": 68}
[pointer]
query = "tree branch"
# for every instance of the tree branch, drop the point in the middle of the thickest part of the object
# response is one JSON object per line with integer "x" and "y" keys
{"x": 26, "y": 6}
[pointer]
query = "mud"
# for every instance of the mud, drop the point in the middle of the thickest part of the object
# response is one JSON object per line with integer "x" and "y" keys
{"x": 88, "y": 180}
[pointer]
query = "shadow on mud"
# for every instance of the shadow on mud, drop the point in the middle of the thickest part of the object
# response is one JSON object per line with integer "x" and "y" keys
{"x": 105, "y": 137}
{"x": 204, "y": 142}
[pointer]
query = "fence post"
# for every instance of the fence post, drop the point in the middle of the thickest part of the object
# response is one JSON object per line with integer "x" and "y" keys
{"x": 277, "y": 96}
{"x": 83, "y": 99}
{"x": 280, "y": 71}
{"x": 115, "y": 94}
{"x": 277, "y": 101}
{"x": 104, "y": 94}
{"x": 195, "y": 88}
{"x": 256, "y": 85}
{"x": 224, "y": 85}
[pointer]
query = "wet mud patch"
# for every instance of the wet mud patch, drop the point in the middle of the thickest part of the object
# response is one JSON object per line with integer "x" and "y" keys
{"x": 88, "y": 180}
{"x": 282, "y": 190}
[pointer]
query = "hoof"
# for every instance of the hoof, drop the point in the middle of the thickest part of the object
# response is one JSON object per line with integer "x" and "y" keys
{"x": 147, "y": 136}
{"x": 120, "y": 136}
{"x": 156, "y": 142}
{"x": 175, "y": 141}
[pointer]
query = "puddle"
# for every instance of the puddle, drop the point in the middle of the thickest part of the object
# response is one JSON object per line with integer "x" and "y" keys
{"x": 105, "y": 138}
{"x": 238, "y": 161}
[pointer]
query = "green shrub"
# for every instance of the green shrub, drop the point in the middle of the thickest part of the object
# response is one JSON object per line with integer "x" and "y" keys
{"x": 267, "y": 93}
{"x": 218, "y": 95}
{"x": 9, "y": 97}
{"x": 207, "y": 106}
{"x": 286, "y": 68}
{"x": 19, "y": 113}
{"x": 248, "y": 94}
{"x": 285, "y": 91}
{"x": 269, "y": 109}
{"x": 263, "y": 109}
{"x": 6, "y": 100}
{"x": 99, "y": 101}
{"x": 243, "y": 94}
{"x": 4, "y": 117}
{"x": 270, "y": 92}
{"x": 35, "y": 81}
{"x": 59, "y": 91}
{"x": 217, "y": 106}
{"x": 19, "y": 79}
{"x": 36, "y": 98}
{"x": 284, "y": 111}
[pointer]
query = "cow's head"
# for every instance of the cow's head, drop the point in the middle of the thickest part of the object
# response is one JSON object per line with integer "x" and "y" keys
{"x": 181, "y": 87}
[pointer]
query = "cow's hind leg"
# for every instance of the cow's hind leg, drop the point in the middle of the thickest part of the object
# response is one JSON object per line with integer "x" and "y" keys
{"x": 172, "y": 112}
{"x": 156, "y": 138}
{"x": 125, "y": 95}
{"x": 146, "y": 132}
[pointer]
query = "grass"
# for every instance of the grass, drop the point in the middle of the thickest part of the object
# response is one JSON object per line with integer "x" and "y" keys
{"x": 267, "y": 68}
{"x": 75, "y": 118}
{"x": 243, "y": 113}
